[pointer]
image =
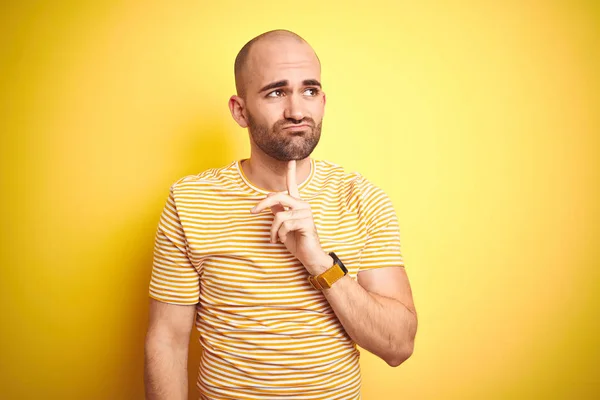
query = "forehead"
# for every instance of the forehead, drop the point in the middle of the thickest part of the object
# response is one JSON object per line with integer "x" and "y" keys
{"x": 274, "y": 61}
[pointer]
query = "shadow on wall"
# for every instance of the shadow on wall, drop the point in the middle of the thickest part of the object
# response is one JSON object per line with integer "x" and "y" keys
{"x": 208, "y": 146}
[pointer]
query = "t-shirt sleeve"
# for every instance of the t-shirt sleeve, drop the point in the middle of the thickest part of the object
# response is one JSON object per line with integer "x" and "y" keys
{"x": 174, "y": 278}
{"x": 382, "y": 246}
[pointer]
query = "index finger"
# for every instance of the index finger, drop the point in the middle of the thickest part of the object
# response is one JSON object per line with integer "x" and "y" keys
{"x": 292, "y": 186}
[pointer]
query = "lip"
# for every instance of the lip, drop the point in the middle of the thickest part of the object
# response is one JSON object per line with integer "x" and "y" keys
{"x": 296, "y": 127}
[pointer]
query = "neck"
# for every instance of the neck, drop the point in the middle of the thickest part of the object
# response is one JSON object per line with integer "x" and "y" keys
{"x": 270, "y": 174}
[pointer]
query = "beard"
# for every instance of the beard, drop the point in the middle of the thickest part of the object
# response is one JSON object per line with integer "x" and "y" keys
{"x": 283, "y": 145}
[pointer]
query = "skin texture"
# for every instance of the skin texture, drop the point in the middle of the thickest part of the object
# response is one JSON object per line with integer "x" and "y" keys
{"x": 166, "y": 350}
{"x": 281, "y": 102}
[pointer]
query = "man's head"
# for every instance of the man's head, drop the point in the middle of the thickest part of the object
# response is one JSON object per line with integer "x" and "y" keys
{"x": 279, "y": 97}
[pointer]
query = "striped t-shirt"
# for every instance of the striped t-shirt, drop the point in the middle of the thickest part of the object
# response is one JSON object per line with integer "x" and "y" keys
{"x": 266, "y": 333}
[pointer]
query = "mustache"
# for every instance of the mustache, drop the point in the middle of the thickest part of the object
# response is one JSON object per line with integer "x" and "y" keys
{"x": 290, "y": 122}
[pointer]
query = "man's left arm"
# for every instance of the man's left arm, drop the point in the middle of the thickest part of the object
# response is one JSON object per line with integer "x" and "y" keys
{"x": 376, "y": 310}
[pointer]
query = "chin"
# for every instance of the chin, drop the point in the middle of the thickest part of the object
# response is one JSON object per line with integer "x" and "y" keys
{"x": 297, "y": 158}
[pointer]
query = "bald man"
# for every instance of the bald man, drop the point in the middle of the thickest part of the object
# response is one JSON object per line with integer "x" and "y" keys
{"x": 286, "y": 263}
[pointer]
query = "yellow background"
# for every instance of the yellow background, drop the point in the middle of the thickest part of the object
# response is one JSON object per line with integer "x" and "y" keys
{"x": 480, "y": 119}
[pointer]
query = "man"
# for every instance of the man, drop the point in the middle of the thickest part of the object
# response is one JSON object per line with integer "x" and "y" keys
{"x": 283, "y": 278}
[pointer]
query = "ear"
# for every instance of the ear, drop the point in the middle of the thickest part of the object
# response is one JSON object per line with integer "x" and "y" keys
{"x": 236, "y": 106}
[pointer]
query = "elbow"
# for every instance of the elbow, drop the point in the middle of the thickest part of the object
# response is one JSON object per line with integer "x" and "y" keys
{"x": 164, "y": 340}
{"x": 406, "y": 347}
{"x": 401, "y": 355}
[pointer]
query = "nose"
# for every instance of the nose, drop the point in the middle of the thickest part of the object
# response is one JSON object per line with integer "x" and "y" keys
{"x": 293, "y": 108}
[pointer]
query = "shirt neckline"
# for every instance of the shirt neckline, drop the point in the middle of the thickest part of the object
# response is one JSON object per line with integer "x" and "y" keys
{"x": 238, "y": 166}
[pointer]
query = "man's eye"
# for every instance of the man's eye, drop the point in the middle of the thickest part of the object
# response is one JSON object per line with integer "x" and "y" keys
{"x": 312, "y": 91}
{"x": 275, "y": 93}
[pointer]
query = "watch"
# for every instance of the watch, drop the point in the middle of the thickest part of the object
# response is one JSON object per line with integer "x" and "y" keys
{"x": 329, "y": 277}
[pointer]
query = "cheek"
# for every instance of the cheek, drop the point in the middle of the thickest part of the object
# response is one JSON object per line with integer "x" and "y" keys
{"x": 272, "y": 113}
{"x": 318, "y": 110}
{"x": 266, "y": 115}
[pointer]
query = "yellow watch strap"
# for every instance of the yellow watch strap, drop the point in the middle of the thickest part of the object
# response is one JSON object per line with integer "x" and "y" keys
{"x": 327, "y": 278}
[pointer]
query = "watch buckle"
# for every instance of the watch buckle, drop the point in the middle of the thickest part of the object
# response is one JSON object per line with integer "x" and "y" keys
{"x": 315, "y": 282}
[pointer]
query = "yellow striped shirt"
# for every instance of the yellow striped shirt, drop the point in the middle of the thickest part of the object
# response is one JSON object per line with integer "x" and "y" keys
{"x": 266, "y": 333}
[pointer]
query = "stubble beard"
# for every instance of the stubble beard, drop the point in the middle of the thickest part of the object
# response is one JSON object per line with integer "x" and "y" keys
{"x": 283, "y": 145}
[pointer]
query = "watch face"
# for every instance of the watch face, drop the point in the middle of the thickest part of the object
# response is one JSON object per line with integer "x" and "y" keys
{"x": 338, "y": 262}
{"x": 341, "y": 264}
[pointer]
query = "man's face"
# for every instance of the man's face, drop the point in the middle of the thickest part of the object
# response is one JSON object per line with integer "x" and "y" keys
{"x": 284, "y": 101}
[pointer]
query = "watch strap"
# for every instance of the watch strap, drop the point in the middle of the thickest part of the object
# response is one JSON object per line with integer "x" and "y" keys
{"x": 329, "y": 277}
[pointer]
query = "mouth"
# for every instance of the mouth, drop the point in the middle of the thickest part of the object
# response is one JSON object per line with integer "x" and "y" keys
{"x": 296, "y": 127}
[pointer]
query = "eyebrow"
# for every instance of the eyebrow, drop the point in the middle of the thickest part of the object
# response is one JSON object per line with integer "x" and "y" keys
{"x": 284, "y": 83}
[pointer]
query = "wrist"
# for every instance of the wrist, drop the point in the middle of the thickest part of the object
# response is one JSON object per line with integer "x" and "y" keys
{"x": 324, "y": 262}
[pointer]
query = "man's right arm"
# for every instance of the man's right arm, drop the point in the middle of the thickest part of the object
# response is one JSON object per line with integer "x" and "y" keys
{"x": 166, "y": 350}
